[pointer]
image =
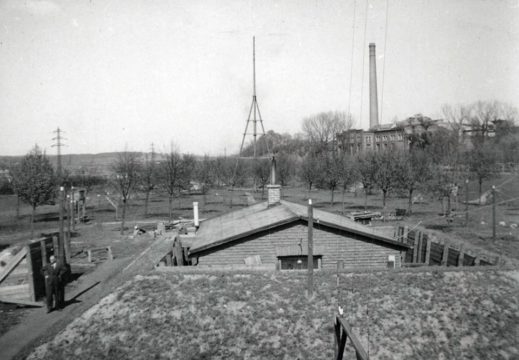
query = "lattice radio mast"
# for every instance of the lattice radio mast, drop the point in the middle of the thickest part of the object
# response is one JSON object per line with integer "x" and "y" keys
{"x": 254, "y": 116}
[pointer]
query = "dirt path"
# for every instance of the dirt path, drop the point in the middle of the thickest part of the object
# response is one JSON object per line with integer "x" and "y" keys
{"x": 38, "y": 326}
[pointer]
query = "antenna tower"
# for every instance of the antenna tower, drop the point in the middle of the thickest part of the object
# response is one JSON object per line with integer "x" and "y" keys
{"x": 59, "y": 143}
{"x": 254, "y": 117}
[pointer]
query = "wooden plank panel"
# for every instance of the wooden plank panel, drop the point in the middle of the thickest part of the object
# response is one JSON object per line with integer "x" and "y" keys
{"x": 21, "y": 302}
{"x": 452, "y": 259}
{"x": 445, "y": 254}
{"x": 469, "y": 260}
{"x": 15, "y": 279}
{"x": 13, "y": 263}
{"x": 30, "y": 277}
{"x": 15, "y": 289}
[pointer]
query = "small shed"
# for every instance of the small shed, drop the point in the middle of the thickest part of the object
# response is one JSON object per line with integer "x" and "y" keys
{"x": 21, "y": 280}
{"x": 273, "y": 234}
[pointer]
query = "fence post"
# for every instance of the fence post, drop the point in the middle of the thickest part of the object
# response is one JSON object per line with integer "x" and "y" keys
{"x": 428, "y": 249}
{"x": 493, "y": 213}
{"x": 310, "y": 261}
{"x": 420, "y": 247}
{"x": 339, "y": 266}
{"x": 466, "y": 202}
{"x": 30, "y": 276}
{"x": 445, "y": 254}
{"x": 461, "y": 256}
{"x": 336, "y": 338}
{"x": 415, "y": 246}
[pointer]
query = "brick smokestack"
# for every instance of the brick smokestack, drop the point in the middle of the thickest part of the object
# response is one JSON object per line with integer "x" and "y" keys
{"x": 373, "y": 98}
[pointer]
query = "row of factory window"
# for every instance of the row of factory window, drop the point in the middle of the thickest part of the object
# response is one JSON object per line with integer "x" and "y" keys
{"x": 358, "y": 147}
{"x": 378, "y": 138}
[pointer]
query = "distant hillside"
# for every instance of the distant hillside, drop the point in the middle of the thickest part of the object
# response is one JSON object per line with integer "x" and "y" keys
{"x": 98, "y": 164}
{"x": 95, "y": 163}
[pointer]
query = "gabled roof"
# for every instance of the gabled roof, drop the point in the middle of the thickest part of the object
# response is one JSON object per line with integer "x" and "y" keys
{"x": 259, "y": 217}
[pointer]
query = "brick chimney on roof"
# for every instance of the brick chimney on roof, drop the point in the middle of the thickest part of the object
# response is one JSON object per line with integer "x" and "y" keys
{"x": 273, "y": 190}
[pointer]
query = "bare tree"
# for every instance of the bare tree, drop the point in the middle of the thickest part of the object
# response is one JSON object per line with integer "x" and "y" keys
{"x": 310, "y": 171}
{"x": 223, "y": 170}
{"x": 413, "y": 172}
{"x": 321, "y": 129}
{"x": 445, "y": 178}
{"x": 332, "y": 172}
{"x": 385, "y": 175}
{"x": 205, "y": 173}
{"x": 285, "y": 167}
{"x": 366, "y": 169}
{"x": 125, "y": 169}
{"x": 148, "y": 178}
{"x": 458, "y": 118}
{"x": 170, "y": 171}
{"x": 13, "y": 171}
{"x": 349, "y": 174}
{"x": 187, "y": 172}
{"x": 34, "y": 180}
{"x": 262, "y": 173}
{"x": 478, "y": 119}
{"x": 482, "y": 163}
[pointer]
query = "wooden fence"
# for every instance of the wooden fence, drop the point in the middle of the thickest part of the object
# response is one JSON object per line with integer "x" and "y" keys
{"x": 426, "y": 250}
{"x": 342, "y": 333}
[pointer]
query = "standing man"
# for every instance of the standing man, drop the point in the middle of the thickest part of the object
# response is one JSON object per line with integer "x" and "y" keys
{"x": 54, "y": 274}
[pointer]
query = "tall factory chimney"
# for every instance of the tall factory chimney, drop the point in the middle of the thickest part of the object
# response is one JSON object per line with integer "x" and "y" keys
{"x": 373, "y": 98}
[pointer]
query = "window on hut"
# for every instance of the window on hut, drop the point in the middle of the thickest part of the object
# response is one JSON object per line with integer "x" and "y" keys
{"x": 297, "y": 262}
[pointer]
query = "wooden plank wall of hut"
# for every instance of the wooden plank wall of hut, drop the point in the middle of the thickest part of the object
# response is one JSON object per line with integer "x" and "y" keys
{"x": 24, "y": 281}
{"x": 41, "y": 250}
{"x": 428, "y": 250}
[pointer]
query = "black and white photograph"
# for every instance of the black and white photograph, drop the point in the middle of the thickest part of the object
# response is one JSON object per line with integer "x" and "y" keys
{"x": 245, "y": 179}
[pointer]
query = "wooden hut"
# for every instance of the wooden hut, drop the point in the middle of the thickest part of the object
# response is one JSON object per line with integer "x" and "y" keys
{"x": 273, "y": 234}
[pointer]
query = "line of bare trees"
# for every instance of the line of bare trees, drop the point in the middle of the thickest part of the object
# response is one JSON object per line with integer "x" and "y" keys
{"x": 480, "y": 135}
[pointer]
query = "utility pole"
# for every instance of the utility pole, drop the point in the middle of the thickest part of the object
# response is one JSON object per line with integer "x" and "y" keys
{"x": 59, "y": 143}
{"x": 310, "y": 260}
{"x": 61, "y": 244}
{"x": 72, "y": 205}
{"x": 493, "y": 213}
{"x": 69, "y": 224}
{"x": 467, "y": 202}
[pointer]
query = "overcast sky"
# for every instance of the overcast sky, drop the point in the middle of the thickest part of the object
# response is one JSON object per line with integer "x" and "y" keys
{"x": 116, "y": 74}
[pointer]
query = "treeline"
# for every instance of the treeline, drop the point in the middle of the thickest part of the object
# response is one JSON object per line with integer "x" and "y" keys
{"x": 479, "y": 137}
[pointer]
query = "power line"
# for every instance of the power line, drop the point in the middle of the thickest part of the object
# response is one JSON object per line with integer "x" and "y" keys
{"x": 363, "y": 59}
{"x": 352, "y": 52}
{"x": 59, "y": 143}
{"x": 384, "y": 60}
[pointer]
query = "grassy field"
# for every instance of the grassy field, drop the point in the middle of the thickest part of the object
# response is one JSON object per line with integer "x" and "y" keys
{"x": 218, "y": 315}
